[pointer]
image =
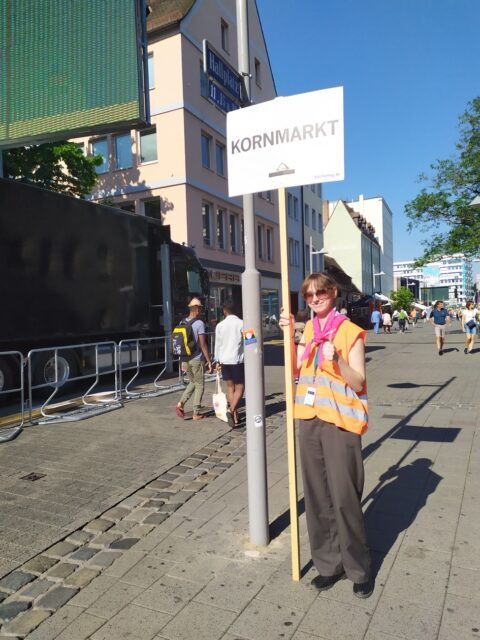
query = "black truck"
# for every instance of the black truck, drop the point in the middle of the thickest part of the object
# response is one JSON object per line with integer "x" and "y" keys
{"x": 74, "y": 272}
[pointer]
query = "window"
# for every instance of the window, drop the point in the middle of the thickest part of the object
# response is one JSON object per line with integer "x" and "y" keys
{"x": 306, "y": 215}
{"x": 314, "y": 219}
{"x": 290, "y": 205}
{"x": 123, "y": 151}
{"x": 224, "y": 35}
{"x": 206, "y": 141}
{"x": 320, "y": 222}
{"x": 207, "y": 224}
{"x": 295, "y": 208}
{"x": 152, "y": 208}
{"x": 220, "y": 228}
{"x": 100, "y": 148}
{"x": 81, "y": 147}
{"x": 151, "y": 72}
{"x": 312, "y": 188}
{"x": 242, "y": 233}
{"x": 319, "y": 190}
{"x": 260, "y": 241}
{"x": 148, "y": 145}
{"x": 297, "y": 253}
{"x": 307, "y": 257}
{"x": 290, "y": 252}
{"x": 270, "y": 245}
{"x": 219, "y": 158}
{"x": 128, "y": 206}
{"x": 269, "y": 196}
{"x": 258, "y": 73}
{"x": 233, "y": 232}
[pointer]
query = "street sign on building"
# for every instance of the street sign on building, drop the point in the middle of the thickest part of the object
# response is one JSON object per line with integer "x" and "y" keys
{"x": 286, "y": 142}
{"x": 222, "y": 73}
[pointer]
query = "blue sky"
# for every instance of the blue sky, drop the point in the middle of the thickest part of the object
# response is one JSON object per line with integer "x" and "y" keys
{"x": 408, "y": 68}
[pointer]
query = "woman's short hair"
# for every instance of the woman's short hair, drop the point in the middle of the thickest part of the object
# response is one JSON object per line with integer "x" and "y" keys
{"x": 469, "y": 302}
{"x": 320, "y": 280}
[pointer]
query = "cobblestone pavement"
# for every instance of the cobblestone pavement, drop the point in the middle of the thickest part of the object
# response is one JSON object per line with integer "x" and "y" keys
{"x": 172, "y": 560}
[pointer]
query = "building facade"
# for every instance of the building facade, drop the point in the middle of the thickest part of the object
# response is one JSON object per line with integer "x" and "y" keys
{"x": 377, "y": 212}
{"x": 313, "y": 227}
{"x": 450, "y": 278}
{"x": 351, "y": 241}
{"x": 176, "y": 169}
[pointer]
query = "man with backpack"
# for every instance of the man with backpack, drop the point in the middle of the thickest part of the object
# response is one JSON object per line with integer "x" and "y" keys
{"x": 190, "y": 345}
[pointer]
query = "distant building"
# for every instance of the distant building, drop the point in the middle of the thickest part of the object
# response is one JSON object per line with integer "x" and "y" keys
{"x": 378, "y": 213}
{"x": 295, "y": 245}
{"x": 351, "y": 241}
{"x": 449, "y": 279}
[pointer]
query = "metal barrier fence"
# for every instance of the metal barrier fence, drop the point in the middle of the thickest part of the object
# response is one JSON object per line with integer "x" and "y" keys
{"x": 10, "y": 431}
{"x": 51, "y": 368}
{"x": 141, "y": 354}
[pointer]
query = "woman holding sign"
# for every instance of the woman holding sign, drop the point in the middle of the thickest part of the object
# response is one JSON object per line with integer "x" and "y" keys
{"x": 331, "y": 406}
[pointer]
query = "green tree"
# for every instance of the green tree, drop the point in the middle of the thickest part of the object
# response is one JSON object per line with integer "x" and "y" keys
{"x": 58, "y": 166}
{"x": 443, "y": 208}
{"x": 402, "y": 298}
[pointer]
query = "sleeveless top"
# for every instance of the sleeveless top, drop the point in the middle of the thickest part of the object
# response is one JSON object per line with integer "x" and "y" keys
{"x": 335, "y": 401}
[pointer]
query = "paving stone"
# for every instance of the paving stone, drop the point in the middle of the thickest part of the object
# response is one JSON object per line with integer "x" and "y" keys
{"x": 191, "y": 462}
{"x": 105, "y": 539}
{"x": 80, "y": 537}
{"x": 10, "y": 610}
{"x": 178, "y": 470}
{"x": 201, "y": 622}
{"x": 138, "y": 515}
{"x": 132, "y": 622}
{"x": 62, "y": 570}
{"x": 16, "y": 580}
{"x": 26, "y": 623}
{"x": 146, "y": 492}
{"x": 61, "y": 549}
{"x": 3, "y": 595}
{"x": 155, "y": 518}
{"x": 199, "y": 456}
{"x": 141, "y": 530}
{"x": 81, "y": 578}
{"x": 131, "y": 502}
{"x": 40, "y": 564}
{"x": 197, "y": 485}
{"x": 37, "y": 588}
{"x": 82, "y": 628}
{"x": 159, "y": 484}
{"x": 84, "y": 554}
{"x": 168, "y": 507}
{"x": 104, "y": 559}
{"x": 125, "y": 543}
{"x": 154, "y": 504}
{"x": 56, "y": 598}
{"x": 98, "y": 526}
{"x": 117, "y": 513}
{"x": 165, "y": 495}
{"x": 167, "y": 477}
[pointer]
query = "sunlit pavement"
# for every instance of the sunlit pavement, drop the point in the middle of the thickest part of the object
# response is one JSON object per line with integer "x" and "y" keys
{"x": 188, "y": 571}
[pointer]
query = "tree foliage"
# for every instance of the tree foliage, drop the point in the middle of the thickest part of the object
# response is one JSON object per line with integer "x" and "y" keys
{"x": 442, "y": 209}
{"x": 402, "y": 298}
{"x": 59, "y": 166}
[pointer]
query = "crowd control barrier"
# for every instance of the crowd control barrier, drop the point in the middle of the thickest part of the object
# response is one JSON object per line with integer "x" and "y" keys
{"x": 135, "y": 356}
{"x": 49, "y": 369}
{"x": 11, "y": 426}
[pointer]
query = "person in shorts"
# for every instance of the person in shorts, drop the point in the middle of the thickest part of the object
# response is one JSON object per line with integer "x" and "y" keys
{"x": 229, "y": 358}
{"x": 439, "y": 319}
{"x": 469, "y": 323}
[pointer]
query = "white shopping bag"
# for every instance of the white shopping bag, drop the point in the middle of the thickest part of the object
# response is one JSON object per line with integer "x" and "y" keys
{"x": 220, "y": 401}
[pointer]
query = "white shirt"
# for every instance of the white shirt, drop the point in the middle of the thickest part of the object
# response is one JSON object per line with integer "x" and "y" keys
{"x": 229, "y": 340}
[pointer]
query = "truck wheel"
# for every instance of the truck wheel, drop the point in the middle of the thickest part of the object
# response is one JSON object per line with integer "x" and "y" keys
{"x": 44, "y": 368}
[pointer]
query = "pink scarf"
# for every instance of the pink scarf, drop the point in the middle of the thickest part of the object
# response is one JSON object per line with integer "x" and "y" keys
{"x": 334, "y": 320}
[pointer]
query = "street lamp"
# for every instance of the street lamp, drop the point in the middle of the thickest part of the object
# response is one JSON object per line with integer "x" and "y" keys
{"x": 320, "y": 252}
{"x": 379, "y": 274}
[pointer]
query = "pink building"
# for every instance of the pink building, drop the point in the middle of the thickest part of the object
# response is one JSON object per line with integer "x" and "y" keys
{"x": 176, "y": 170}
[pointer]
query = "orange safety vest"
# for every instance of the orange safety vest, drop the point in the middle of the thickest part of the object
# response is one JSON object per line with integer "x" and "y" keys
{"x": 335, "y": 401}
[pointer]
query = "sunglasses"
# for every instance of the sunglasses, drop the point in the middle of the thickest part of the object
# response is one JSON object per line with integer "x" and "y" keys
{"x": 319, "y": 293}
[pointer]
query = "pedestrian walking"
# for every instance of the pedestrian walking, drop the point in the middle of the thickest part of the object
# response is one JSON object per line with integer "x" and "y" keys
{"x": 469, "y": 324}
{"x": 229, "y": 358}
{"x": 195, "y": 365}
{"x": 387, "y": 322}
{"x": 402, "y": 321}
{"x": 439, "y": 319}
{"x": 413, "y": 317}
{"x": 395, "y": 315}
{"x": 331, "y": 406}
{"x": 375, "y": 319}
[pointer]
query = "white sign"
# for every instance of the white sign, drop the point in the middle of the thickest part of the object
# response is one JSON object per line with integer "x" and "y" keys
{"x": 286, "y": 142}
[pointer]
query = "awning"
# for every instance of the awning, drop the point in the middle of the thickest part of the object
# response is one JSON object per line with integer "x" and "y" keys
{"x": 380, "y": 296}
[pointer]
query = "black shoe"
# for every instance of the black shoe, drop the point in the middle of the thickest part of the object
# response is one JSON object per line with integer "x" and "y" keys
{"x": 465, "y": 351}
{"x": 322, "y": 583}
{"x": 363, "y": 589}
{"x": 440, "y": 353}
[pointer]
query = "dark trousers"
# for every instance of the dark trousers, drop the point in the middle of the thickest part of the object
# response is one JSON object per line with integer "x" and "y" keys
{"x": 332, "y": 470}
